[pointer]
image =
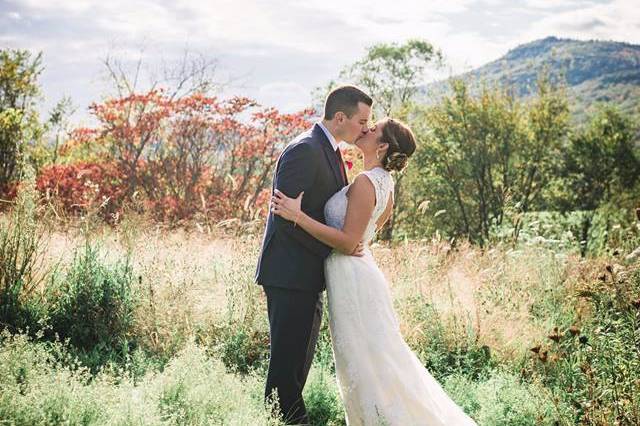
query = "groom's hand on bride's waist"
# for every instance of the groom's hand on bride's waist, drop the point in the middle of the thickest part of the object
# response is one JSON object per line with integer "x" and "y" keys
{"x": 359, "y": 250}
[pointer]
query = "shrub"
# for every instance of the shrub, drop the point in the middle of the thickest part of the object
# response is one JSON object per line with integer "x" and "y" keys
{"x": 322, "y": 398}
{"x": 243, "y": 350}
{"x": 446, "y": 350}
{"x": 94, "y": 307}
{"x": 21, "y": 240}
{"x": 40, "y": 384}
{"x": 83, "y": 186}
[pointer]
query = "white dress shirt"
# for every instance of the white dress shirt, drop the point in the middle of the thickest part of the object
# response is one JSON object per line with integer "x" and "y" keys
{"x": 326, "y": 131}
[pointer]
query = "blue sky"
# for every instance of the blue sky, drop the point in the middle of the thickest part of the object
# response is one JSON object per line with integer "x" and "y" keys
{"x": 278, "y": 51}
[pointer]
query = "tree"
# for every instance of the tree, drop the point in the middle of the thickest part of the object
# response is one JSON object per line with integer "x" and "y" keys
{"x": 392, "y": 73}
{"x": 541, "y": 151}
{"x": 192, "y": 73}
{"x": 182, "y": 156}
{"x": 482, "y": 156}
{"x": 599, "y": 163}
{"x": 19, "y": 71}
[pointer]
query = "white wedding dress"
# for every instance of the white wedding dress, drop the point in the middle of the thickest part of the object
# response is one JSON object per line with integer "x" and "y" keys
{"x": 381, "y": 380}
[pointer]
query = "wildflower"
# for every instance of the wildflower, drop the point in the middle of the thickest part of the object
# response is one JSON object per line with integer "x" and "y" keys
{"x": 555, "y": 336}
{"x": 543, "y": 355}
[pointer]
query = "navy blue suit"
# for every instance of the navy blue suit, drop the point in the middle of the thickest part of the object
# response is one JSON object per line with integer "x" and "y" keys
{"x": 291, "y": 267}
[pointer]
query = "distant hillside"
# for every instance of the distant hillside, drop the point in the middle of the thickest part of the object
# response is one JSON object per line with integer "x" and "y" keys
{"x": 594, "y": 71}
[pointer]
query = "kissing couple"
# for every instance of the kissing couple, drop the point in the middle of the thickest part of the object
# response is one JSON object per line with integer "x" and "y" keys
{"x": 317, "y": 237}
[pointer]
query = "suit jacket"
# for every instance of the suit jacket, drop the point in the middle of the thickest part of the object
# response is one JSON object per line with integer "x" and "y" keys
{"x": 290, "y": 257}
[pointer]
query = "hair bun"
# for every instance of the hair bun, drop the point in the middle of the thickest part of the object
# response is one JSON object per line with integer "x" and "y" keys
{"x": 396, "y": 161}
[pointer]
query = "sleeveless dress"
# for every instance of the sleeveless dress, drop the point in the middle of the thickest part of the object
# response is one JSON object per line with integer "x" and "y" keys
{"x": 381, "y": 380}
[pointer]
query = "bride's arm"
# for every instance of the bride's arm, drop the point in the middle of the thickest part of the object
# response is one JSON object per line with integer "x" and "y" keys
{"x": 359, "y": 208}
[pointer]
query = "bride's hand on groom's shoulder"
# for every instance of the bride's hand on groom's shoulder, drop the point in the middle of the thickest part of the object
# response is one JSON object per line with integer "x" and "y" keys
{"x": 285, "y": 207}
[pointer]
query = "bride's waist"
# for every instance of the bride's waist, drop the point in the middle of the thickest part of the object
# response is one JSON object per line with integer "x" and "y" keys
{"x": 335, "y": 253}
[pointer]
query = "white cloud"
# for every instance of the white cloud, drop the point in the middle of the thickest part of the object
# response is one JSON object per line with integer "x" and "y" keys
{"x": 287, "y": 47}
{"x": 555, "y": 4}
{"x": 618, "y": 20}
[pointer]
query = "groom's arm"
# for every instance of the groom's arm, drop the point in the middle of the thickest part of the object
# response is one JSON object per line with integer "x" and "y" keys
{"x": 296, "y": 173}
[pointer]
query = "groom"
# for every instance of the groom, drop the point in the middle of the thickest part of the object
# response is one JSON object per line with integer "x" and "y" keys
{"x": 291, "y": 264}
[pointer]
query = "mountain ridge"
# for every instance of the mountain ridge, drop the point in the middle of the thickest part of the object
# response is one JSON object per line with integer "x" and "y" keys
{"x": 593, "y": 71}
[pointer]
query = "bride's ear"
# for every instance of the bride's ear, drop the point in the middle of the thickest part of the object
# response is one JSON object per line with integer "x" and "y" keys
{"x": 382, "y": 148}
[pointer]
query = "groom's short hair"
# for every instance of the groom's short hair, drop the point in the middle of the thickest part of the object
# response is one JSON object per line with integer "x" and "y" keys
{"x": 345, "y": 99}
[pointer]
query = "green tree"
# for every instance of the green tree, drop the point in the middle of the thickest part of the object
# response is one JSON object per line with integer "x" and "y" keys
{"x": 599, "y": 164}
{"x": 541, "y": 151}
{"x": 483, "y": 157}
{"x": 392, "y": 74}
{"x": 22, "y": 133}
{"x": 19, "y": 71}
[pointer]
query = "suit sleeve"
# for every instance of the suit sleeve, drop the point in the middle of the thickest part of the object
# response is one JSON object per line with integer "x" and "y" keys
{"x": 296, "y": 173}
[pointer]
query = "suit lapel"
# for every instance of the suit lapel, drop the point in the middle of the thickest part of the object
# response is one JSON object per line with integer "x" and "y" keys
{"x": 330, "y": 154}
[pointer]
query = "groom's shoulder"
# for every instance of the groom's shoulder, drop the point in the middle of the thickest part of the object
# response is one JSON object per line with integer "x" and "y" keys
{"x": 307, "y": 139}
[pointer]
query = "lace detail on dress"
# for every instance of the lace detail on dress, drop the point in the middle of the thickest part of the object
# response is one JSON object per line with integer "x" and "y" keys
{"x": 335, "y": 210}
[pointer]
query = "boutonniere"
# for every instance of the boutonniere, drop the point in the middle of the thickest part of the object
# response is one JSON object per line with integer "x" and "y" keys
{"x": 349, "y": 164}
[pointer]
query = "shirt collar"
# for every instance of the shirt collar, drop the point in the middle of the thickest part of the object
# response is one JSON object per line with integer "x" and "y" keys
{"x": 326, "y": 131}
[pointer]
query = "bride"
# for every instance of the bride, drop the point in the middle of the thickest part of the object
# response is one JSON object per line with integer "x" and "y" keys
{"x": 381, "y": 380}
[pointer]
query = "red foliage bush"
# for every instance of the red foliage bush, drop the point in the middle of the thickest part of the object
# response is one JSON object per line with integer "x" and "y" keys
{"x": 82, "y": 186}
{"x": 195, "y": 154}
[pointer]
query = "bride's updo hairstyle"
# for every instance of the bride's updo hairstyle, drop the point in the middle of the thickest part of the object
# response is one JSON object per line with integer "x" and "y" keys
{"x": 402, "y": 144}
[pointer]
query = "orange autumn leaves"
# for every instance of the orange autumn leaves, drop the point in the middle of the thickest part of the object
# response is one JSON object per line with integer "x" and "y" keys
{"x": 178, "y": 157}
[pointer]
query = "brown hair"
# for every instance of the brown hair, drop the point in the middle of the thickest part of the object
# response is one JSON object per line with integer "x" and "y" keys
{"x": 402, "y": 144}
{"x": 345, "y": 99}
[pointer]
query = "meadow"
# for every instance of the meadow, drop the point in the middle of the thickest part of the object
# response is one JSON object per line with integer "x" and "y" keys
{"x": 128, "y": 251}
{"x": 144, "y": 324}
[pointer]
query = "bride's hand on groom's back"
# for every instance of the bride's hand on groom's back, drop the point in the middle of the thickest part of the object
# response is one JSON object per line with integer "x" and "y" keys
{"x": 285, "y": 207}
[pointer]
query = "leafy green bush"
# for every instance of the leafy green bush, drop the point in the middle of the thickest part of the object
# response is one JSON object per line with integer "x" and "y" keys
{"x": 242, "y": 350}
{"x": 21, "y": 236}
{"x": 444, "y": 351}
{"x": 93, "y": 307}
{"x": 41, "y": 384}
{"x": 322, "y": 398}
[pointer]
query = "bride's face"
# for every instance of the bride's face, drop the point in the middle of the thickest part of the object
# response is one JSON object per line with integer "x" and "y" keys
{"x": 369, "y": 143}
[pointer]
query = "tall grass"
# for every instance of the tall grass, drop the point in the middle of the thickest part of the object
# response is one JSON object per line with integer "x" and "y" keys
{"x": 22, "y": 239}
{"x": 139, "y": 325}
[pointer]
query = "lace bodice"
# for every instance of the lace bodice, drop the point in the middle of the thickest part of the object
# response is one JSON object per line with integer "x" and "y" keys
{"x": 335, "y": 210}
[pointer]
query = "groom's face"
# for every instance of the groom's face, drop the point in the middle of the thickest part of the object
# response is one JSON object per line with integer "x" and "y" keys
{"x": 357, "y": 125}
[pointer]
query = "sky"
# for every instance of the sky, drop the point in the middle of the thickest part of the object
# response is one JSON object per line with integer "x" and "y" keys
{"x": 278, "y": 51}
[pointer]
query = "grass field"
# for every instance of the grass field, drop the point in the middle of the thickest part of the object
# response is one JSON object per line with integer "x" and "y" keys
{"x": 144, "y": 325}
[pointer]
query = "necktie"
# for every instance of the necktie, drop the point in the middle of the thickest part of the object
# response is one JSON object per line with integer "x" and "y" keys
{"x": 341, "y": 165}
